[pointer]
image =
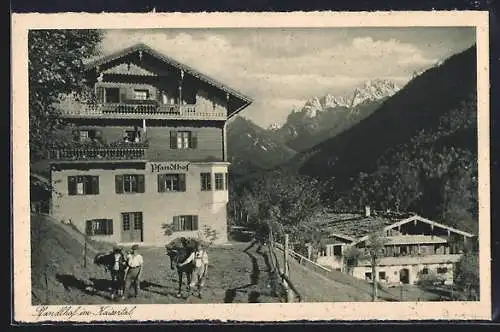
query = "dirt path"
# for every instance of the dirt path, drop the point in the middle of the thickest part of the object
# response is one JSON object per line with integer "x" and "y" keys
{"x": 234, "y": 276}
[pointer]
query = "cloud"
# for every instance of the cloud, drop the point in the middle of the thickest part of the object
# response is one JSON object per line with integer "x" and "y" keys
{"x": 281, "y": 69}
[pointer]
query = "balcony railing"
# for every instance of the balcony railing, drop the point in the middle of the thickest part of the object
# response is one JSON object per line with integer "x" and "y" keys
{"x": 106, "y": 153}
{"x": 143, "y": 111}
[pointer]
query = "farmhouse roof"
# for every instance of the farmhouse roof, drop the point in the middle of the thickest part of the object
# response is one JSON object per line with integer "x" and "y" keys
{"x": 92, "y": 64}
{"x": 357, "y": 227}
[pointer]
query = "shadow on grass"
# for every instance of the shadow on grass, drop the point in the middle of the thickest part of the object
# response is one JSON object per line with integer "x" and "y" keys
{"x": 100, "y": 287}
{"x": 231, "y": 293}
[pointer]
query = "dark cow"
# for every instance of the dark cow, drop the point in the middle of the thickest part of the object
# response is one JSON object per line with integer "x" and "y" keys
{"x": 179, "y": 251}
{"x": 115, "y": 263}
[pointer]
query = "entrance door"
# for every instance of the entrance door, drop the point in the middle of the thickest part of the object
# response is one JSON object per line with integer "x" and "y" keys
{"x": 132, "y": 227}
{"x": 404, "y": 276}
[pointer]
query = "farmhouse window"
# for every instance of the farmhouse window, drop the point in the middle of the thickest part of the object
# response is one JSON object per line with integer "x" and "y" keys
{"x": 171, "y": 182}
{"x": 442, "y": 269}
{"x": 83, "y": 185}
{"x": 99, "y": 227}
{"x": 206, "y": 181}
{"x": 183, "y": 140}
{"x": 185, "y": 223}
{"x": 141, "y": 94}
{"x": 129, "y": 183}
{"x": 112, "y": 95}
{"x": 425, "y": 270}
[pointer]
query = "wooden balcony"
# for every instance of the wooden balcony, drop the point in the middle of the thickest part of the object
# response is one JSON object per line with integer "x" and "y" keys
{"x": 140, "y": 111}
{"x": 134, "y": 152}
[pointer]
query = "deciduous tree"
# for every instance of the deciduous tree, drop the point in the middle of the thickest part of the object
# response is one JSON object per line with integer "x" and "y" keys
{"x": 55, "y": 65}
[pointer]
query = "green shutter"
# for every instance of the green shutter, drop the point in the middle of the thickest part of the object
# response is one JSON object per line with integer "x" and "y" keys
{"x": 94, "y": 185}
{"x": 173, "y": 139}
{"x": 119, "y": 184}
{"x": 71, "y": 185}
{"x": 140, "y": 183}
{"x": 88, "y": 230}
{"x": 109, "y": 230}
{"x": 193, "y": 142}
{"x": 176, "y": 224}
{"x": 182, "y": 182}
{"x": 194, "y": 222}
{"x": 76, "y": 135}
{"x": 161, "y": 183}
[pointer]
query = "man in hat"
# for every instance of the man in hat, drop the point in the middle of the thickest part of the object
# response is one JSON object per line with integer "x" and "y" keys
{"x": 133, "y": 271}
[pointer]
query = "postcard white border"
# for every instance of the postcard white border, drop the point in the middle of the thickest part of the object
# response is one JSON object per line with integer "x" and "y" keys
{"x": 21, "y": 23}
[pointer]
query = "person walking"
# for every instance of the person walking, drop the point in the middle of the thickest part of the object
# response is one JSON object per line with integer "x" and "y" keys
{"x": 133, "y": 271}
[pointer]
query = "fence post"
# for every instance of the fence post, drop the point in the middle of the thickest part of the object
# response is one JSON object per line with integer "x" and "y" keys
{"x": 289, "y": 292}
{"x": 85, "y": 253}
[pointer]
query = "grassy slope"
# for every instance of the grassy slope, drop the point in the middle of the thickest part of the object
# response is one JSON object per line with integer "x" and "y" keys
{"x": 331, "y": 286}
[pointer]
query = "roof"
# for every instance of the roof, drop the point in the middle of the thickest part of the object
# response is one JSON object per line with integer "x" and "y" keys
{"x": 357, "y": 227}
{"x": 414, "y": 260}
{"x": 188, "y": 70}
{"x": 352, "y": 226}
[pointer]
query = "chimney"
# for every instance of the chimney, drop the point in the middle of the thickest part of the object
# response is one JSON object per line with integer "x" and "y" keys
{"x": 367, "y": 211}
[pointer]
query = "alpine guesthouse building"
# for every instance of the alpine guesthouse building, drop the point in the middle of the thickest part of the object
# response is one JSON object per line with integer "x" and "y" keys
{"x": 148, "y": 154}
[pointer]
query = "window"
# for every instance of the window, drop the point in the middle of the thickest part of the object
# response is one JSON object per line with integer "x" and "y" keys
{"x": 185, "y": 223}
{"x": 112, "y": 95}
{"x": 425, "y": 270}
{"x": 381, "y": 275}
{"x": 132, "y": 220}
{"x": 84, "y": 135}
{"x": 126, "y": 221}
{"x": 141, "y": 94}
{"x": 171, "y": 182}
{"x": 183, "y": 140}
{"x": 130, "y": 183}
{"x": 99, "y": 227}
{"x": 442, "y": 269}
{"x": 132, "y": 136}
{"x": 138, "y": 220}
{"x": 83, "y": 185}
{"x": 206, "y": 181}
{"x": 368, "y": 275}
{"x": 219, "y": 181}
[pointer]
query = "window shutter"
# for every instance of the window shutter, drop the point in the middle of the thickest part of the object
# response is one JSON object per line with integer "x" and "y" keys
{"x": 109, "y": 230}
{"x": 76, "y": 135}
{"x": 194, "y": 223}
{"x": 176, "y": 224}
{"x": 99, "y": 93}
{"x": 71, "y": 185}
{"x": 161, "y": 183}
{"x": 173, "y": 139}
{"x": 140, "y": 184}
{"x": 226, "y": 181}
{"x": 193, "y": 140}
{"x": 88, "y": 230}
{"x": 94, "y": 185}
{"x": 182, "y": 182}
{"x": 119, "y": 184}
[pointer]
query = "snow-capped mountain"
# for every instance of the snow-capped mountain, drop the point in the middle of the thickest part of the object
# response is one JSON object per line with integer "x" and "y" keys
{"x": 323, "y": 117}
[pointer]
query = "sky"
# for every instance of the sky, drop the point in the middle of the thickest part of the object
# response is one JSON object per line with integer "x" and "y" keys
{"x": 280, "y": 69}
